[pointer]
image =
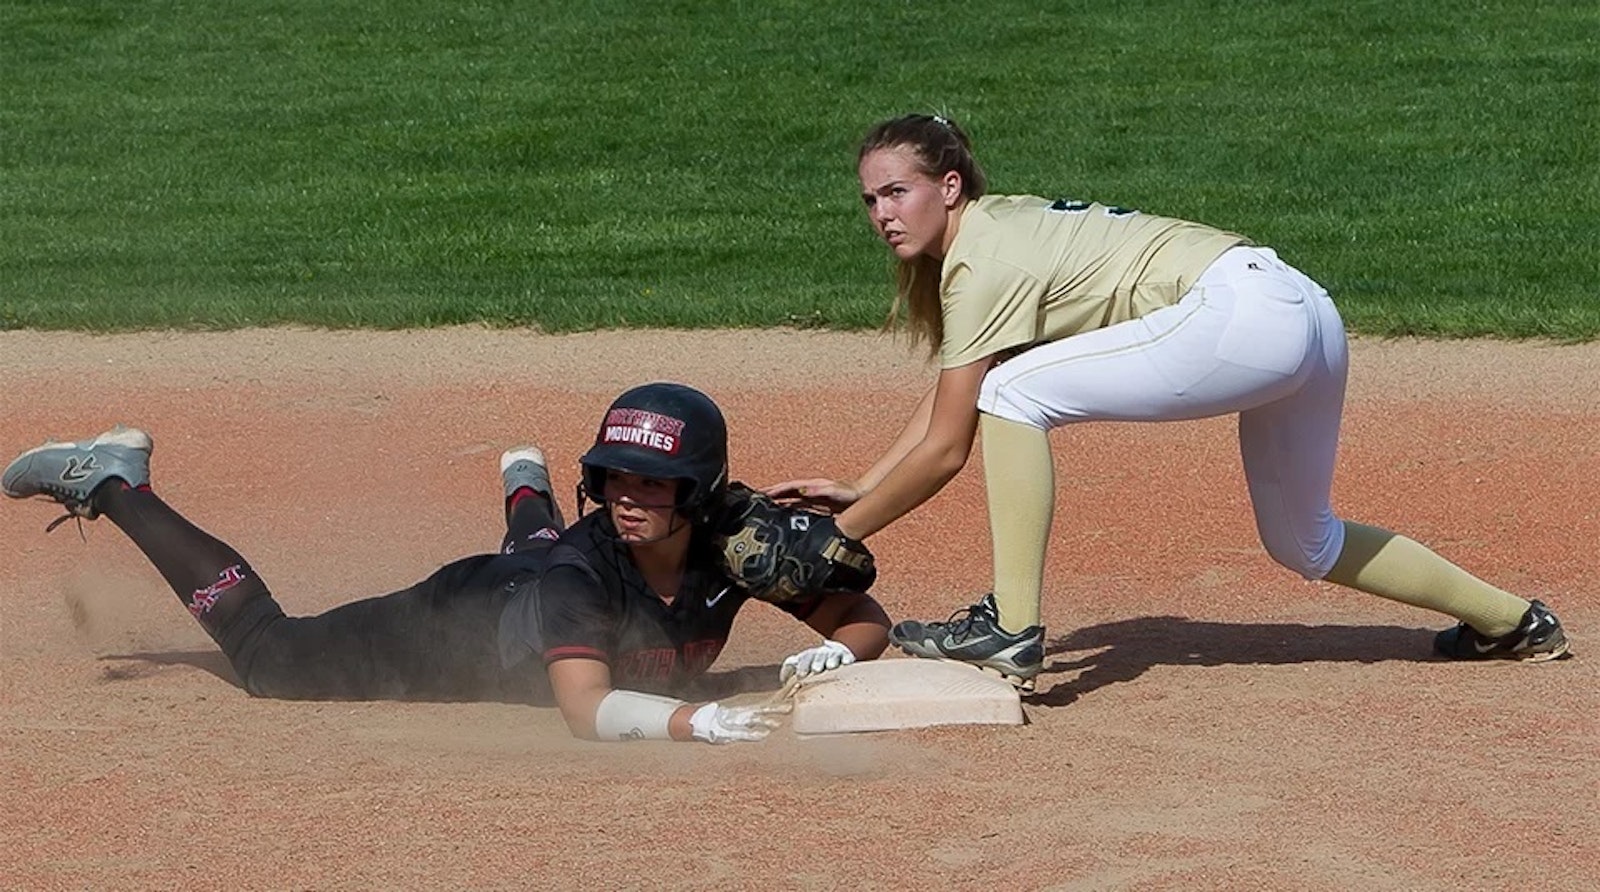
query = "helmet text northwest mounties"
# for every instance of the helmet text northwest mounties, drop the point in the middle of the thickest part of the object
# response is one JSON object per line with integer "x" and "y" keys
{"x": 664, "y": 430}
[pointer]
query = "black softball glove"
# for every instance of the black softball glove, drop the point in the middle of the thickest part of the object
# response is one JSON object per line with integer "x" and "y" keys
{"x": 781, "y": 554}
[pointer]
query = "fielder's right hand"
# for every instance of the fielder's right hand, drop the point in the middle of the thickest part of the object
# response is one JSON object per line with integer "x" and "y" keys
{"x": 815, "y": 493}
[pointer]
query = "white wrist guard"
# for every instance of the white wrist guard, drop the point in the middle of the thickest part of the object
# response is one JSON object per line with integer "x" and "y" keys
{"x": 630, "y": 715}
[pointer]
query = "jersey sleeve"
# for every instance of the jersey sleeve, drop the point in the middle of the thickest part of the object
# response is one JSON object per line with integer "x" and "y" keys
{"x": 989, "y": 306}
{"x": 568, "y": 615}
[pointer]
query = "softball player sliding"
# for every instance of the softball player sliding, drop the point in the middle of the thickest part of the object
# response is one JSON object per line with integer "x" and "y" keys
{"x": 1045, "y": 313}
{"x": 610, "y": 620}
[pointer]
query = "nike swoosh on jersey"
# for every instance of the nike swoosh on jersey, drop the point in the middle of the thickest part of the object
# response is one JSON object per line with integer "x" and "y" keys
{"x": 711, "y": 600}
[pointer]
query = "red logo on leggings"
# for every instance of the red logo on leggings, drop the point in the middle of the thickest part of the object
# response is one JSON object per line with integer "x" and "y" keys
{"x": 205, "y": 598}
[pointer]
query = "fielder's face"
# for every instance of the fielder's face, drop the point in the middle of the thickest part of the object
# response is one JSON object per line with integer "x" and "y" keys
{"x": 909, "y": 209}
{"x": 643, "y": 508}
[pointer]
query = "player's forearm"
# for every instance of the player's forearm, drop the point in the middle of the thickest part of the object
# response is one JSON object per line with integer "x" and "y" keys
{"x": 593, "y": 710}
{"x": 922, "y": 473}
{"x": 678, "y": 726}
{"x": 631, "y": 715}
{"x": 913, "y": 433}
{"x": 578, "y": 709}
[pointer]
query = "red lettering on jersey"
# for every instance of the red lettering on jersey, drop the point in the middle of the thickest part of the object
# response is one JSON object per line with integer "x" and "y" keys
{"x": 699, "y": 655}
{"x": 657, "y": 663}
{"x": 652, "y": 664}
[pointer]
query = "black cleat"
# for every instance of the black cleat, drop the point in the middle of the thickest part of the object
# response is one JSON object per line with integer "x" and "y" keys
{"x": 973, "y": 636}
{"x": 1537, "y": 638}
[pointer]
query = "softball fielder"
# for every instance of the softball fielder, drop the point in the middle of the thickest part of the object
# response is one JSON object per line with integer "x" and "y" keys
{"x": 1044, "y": 313}
{"x": 611, "y": 620}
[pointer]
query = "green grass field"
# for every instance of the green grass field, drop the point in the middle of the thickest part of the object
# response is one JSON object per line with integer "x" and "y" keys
{"x": 597, "y": 164}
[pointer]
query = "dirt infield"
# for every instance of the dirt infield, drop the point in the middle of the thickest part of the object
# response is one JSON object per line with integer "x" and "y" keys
{"x": 1206, "y": 721}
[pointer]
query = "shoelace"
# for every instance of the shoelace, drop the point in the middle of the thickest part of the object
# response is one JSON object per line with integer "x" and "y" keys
{"x": 960, "y": 622}
{"x": 70, "y": 515}
{"x": 75, "y": 511}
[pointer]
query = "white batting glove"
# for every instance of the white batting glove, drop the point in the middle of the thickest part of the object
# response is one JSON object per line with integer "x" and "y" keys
{"x": 829, "y": 654}
{"x": 714, "y": 723}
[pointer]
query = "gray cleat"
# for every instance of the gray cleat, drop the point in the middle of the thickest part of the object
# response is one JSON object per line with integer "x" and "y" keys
{"x": 69, "y": 473}
{"x": 523, "y": 466}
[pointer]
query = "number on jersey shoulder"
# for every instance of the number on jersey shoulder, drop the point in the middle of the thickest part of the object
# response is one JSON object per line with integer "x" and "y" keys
{"x": 1078, "y": 206}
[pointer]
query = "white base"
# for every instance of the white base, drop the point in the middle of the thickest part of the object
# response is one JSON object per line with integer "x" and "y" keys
{"x": 885, "y": 695}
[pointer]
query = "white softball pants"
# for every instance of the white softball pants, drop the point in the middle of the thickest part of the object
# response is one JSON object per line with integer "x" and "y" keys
{"x": 1254, "y": 336}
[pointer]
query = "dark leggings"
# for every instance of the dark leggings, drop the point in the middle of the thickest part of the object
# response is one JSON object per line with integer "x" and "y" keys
{"x": 433, "y": 641}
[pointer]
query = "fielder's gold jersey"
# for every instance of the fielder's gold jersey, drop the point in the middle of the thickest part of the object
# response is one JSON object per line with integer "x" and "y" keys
{"x": 1026, "y": 270}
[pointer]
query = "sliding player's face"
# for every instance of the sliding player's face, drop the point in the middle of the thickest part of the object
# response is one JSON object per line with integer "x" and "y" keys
{"x": 642, "y": 508}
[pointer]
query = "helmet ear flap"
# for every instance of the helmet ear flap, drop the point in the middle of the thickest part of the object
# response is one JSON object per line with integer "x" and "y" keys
{"x": 585, "y": 494}
{"x": 592, "y": 484}
{"x": 707, "y": 504}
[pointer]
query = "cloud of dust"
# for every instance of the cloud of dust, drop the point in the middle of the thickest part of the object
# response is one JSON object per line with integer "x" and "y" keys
{"x": 114, "y": 615}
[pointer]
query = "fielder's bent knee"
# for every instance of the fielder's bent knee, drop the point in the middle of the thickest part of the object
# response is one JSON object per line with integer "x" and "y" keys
{"x": 1003, "y": 402}
{"x": 1313, "y": 559}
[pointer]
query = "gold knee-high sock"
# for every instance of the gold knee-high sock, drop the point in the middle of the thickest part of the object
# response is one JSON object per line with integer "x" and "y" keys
{"x": 1021, "y": 481}
{"x": 1382, "y": 563}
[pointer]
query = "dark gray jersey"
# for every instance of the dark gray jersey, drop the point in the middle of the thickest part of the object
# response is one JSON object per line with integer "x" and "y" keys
{"x": 591, "y": 602}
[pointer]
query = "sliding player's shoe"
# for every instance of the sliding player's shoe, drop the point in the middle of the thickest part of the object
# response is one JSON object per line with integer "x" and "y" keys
{"x": 69, "y": 473}
{"x": 523, "y": 467}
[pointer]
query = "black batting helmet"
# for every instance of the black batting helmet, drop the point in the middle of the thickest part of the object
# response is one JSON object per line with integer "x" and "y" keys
{"x": 665, "y": 430}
